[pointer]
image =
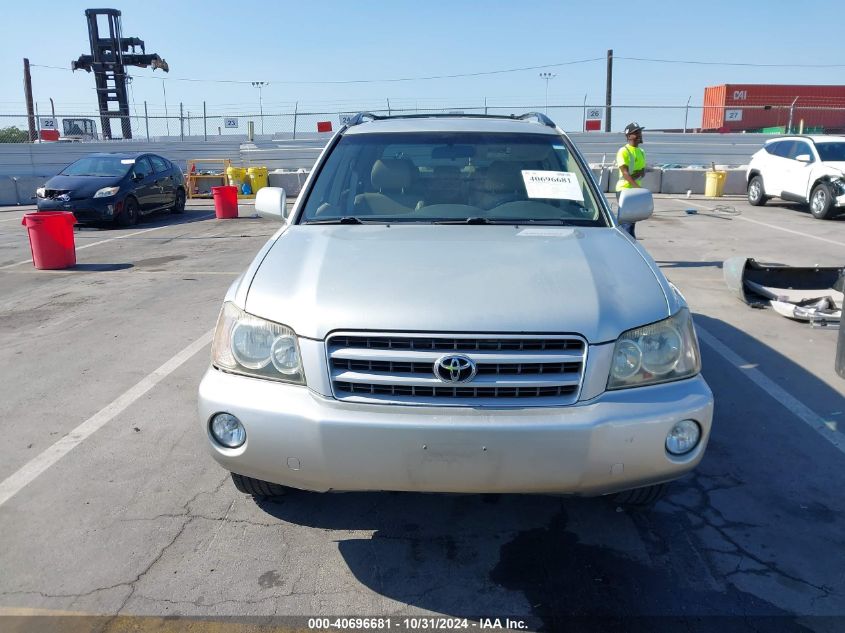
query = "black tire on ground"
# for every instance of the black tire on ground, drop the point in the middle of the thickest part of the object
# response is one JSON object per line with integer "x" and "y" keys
{"x": 756, "y": 194}
{"x": 640, "y": 497}
{"x": 179, "y": 204}
{"x": 821, "y": 202}
{"x": 257, "y": 487}
{"x": 129, "y": 214}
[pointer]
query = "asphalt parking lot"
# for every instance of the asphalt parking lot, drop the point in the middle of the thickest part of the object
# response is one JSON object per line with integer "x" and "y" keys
{"x": 114, "y": 507}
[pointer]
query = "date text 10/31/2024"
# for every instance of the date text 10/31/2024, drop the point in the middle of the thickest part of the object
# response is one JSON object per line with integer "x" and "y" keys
{"x": 415, "y": 624}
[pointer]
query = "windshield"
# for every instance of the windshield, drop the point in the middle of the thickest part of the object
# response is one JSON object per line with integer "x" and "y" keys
{"x": 99, "y": 166}
{"x": 452, "y": 177}
{"x": 831, "y": 151}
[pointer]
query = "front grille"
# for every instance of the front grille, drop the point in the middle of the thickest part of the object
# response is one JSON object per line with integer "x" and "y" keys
{"x": 522, "y": 370}
{"x": 457, "y": 344}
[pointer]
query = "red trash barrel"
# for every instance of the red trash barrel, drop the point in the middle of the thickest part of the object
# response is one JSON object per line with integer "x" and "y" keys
{"x": 51, "y": 239}
{"x": 225, "y": 202}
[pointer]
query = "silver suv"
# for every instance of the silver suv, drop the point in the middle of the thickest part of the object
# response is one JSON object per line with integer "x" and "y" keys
{"x": 451, "y": 307}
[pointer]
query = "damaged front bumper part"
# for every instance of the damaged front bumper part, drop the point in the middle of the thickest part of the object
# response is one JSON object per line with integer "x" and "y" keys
{"x": 813, "y": 294}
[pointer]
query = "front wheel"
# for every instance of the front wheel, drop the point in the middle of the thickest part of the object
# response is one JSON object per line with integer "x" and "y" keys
{"x": 179, "y": 204}
{"x": 129, "y": 214}
{"x": 756, "y": 193}
{"x": 258, "y": 488}
{"x": 821, "y": 201}
{"x": 640, "y": 497}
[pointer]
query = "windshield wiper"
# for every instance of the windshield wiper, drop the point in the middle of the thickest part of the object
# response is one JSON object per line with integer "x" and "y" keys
{"x": 472, "y": 220}
{"x": 514, "y": 221}
{"x": 347, "y": 219}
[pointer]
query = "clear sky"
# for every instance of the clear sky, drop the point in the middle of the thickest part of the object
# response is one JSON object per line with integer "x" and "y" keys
{"x": 323, "y": 41}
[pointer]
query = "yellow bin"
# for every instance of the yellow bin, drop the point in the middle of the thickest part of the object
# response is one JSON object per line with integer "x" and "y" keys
{"x": 236, "y": 176}
{"x": 715, "y": 185}
{"x": 258, "y": 177}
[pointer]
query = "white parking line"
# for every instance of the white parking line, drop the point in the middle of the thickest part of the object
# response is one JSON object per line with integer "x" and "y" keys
{"x": 111, "y": 239}
{"x": 790, "y": 402}
{"x": 771, "y": 226}
{"x": 32, "y": 469}
{"x": 18, "y": 219}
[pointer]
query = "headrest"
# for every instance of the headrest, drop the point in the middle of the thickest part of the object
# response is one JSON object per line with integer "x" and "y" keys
{"x": 392, "y": 174}
{"x": 503, "y": 176}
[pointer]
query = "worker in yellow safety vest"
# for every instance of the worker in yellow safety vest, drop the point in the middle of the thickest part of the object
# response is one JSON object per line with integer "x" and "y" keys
{"x": 630, "y": 159}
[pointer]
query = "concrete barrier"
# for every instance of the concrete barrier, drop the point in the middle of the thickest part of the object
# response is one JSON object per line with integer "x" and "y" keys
{"x": 735, "y": 184}
{"x": 601, "y": 175}
{"x": 290, "y": 181}
{"x": 683, "y": 180}
{"x": 653, "y": 180}
{"x": 26, "y": 186}
{"x": 8, "y": 191}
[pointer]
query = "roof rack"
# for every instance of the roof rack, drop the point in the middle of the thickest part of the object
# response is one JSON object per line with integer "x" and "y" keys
{"x": 541, "y": 118}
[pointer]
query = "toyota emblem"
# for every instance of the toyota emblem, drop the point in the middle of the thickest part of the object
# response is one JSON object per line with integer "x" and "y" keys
{"x": 454, "y": 368}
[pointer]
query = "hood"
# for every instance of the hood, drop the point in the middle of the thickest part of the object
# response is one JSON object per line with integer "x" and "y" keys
{"x": 838, "y": 165}
{"x": 82, "y": 186}
{"x": 444, "y": 278}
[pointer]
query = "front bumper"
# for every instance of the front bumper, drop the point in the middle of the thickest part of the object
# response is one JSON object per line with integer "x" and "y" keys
{"x": 85, "y": 210}
{"x": 298, "y": 438}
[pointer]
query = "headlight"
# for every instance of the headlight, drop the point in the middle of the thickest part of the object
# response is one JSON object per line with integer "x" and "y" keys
{"x": 40, "y": 192}
{"x": 248, "y": 345}
{"x": 660, "y": 352}
{"x": 105, "y": 192}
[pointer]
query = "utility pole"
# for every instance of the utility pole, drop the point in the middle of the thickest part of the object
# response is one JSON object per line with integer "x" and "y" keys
{"x": 27, "y": 91}
{"x": 547, "y": 77}
{"x": 260, "y": 85}
{"x": 686, "y": 115}
{"x": 608, "y": 100}
{"x": 791, "y": 111}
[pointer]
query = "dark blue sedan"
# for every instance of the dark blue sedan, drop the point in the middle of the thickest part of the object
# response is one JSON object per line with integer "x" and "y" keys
{"x": 115, "y": 187}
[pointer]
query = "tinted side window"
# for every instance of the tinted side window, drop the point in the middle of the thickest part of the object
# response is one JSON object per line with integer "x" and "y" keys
{"x": 159, "y": 164}
{"x": 143, "y": 167}
{"x": 780, "y": 148}
{"x": 798, "y": 148}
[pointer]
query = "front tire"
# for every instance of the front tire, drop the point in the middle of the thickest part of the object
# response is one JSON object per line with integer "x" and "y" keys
{"x": 756, "y": 193}
{"x": 821, "y": 202}
{"x": 129, "y": 214}
{"x": 179, "y": 205}
{"x": 258, "y": 488}
{"x": 640, "y": 498}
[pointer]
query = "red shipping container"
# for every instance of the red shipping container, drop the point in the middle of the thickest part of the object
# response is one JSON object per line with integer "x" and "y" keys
{"x": 324, "y": 126}
{"x": 752, "y": 107}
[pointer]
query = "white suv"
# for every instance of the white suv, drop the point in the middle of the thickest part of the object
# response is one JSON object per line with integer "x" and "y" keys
{"x": 806, "y": 169}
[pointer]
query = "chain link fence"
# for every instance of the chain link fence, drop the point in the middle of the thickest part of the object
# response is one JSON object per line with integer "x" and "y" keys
{"x": 190, "y": 126}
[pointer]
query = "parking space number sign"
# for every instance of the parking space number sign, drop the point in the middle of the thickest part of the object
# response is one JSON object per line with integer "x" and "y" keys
{"x": 230, "y": 121}
{"x": 594, "y": 113}
{"x": 48, "y": 123}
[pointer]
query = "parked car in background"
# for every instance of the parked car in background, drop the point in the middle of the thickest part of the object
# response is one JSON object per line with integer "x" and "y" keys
{"x": 452, "y": 307}
{"x": 115, "y": 187}
{"x": 805, "y": 169}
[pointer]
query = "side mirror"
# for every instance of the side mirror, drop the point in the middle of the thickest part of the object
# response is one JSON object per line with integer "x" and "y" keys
{"x": 635, "y": 205}
{"x": 804, "y": 158}
{"x": 270, "y": 202}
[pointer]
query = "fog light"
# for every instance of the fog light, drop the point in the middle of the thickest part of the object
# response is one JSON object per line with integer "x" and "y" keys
{"x": 227, "y": 430}
{"x": 683, "y": 437}
{"x": 109, "y": 209}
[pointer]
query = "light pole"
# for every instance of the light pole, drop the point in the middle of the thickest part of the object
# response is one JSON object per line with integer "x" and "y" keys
{"x": 547, "y": 77}
{"x": 260, "y": 85}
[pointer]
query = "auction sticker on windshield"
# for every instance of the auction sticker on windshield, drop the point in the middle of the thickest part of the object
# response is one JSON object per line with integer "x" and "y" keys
{"x": 556, "y": 185}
